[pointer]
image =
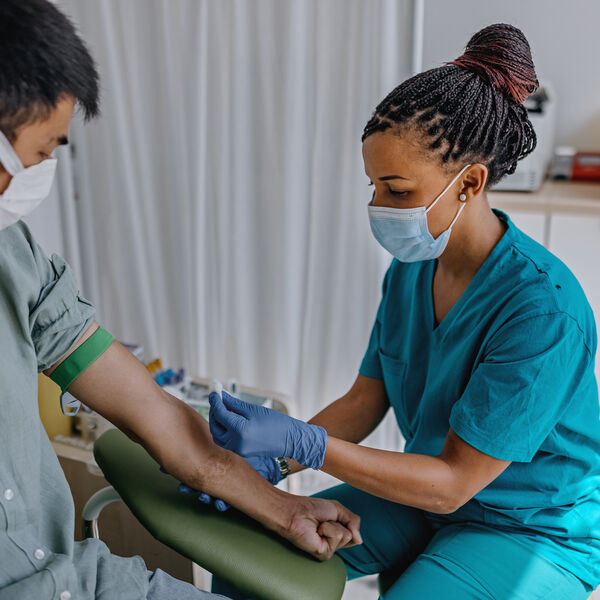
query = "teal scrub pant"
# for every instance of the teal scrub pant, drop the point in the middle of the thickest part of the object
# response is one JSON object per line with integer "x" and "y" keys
{"x": 459, "y": 561}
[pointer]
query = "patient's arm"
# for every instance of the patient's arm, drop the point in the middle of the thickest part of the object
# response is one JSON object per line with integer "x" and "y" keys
{"x": 119, "y": 387}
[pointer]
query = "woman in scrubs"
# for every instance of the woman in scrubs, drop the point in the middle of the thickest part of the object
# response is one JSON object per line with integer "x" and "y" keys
{"x": 484, "y": 348}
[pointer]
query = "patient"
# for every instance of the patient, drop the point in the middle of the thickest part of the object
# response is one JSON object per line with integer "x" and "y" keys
{"x": 45, "y": 71}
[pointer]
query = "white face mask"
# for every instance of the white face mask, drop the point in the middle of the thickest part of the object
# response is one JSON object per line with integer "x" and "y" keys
{"x": 404, "y": 232}
{"x": 28, "y": 186}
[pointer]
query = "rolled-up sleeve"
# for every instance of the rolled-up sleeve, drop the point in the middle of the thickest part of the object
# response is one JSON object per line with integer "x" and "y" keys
{"x": 60, "y": 316}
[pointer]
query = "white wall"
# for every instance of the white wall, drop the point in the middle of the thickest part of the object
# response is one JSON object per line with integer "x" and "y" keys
{"x": 565, "y": 41}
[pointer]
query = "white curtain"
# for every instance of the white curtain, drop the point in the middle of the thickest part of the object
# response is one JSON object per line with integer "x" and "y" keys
{"x": 221, "y": 196}
{"x": 54, "y": 223}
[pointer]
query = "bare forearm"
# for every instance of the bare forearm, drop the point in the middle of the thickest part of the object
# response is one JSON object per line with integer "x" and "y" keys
{"x": 188, "y": 453}
{"x": 425, "y": 482}
{"x": 349, "y": 419}
{"x": 344, "y": 419}
{"x": 119, "y": 387}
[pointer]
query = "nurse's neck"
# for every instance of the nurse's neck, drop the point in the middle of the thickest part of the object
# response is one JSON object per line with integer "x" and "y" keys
{"x": 473, "y": 238}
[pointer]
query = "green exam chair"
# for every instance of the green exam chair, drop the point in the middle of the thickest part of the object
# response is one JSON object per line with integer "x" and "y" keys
{"x": 230, "y": 545}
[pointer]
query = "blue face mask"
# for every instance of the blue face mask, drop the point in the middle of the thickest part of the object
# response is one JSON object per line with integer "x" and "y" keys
{"x": 404, "y": 233}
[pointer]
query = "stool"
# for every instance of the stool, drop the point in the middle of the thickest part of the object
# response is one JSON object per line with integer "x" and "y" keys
{"x": 230, "y": 545}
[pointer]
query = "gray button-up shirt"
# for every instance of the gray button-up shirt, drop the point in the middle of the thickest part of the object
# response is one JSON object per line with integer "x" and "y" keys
{"x": 41, "y": 317}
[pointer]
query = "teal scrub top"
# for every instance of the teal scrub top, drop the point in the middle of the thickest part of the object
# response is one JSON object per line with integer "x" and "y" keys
{"x": 511, "y": 370}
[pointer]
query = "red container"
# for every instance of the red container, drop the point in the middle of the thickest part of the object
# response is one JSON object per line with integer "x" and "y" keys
{"x": 586, "y": 166}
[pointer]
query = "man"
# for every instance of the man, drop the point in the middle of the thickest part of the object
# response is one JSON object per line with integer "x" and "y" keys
{"x": 45, "y": 71}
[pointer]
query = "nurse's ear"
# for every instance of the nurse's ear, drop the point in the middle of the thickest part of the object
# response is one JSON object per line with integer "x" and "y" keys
{"x": 473, "y": 182}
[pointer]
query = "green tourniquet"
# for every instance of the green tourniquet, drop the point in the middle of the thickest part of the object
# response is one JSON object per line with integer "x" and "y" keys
{"x": 79, "y": 360}
{"x": 42, "y": 316}
{"x": 511, "y": 370}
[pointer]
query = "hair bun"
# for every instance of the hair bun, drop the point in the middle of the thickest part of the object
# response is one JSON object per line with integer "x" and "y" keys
{"x": 500, "y": 54}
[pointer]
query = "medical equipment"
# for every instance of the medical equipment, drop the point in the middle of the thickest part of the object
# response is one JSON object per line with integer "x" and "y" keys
{"x": 155, "y": 365}
{"x": 575, "y": 166}
{"x": 216, "y": 387}
{"x": 169, "y": 377}
{"x": 531, "y": 170}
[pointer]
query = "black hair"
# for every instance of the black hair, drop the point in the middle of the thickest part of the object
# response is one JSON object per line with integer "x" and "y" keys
{"x": 470, "y": 109}
{"x": 42, "y": 60}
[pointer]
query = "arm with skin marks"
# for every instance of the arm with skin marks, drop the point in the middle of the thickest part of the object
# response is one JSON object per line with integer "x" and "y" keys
{"x": 119, "y": 387}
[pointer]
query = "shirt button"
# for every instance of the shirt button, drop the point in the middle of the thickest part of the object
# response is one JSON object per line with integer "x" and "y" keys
{"x": 66, "y": 595}
{"x": 9, "y": 494}
{"x": 39, "y": 554}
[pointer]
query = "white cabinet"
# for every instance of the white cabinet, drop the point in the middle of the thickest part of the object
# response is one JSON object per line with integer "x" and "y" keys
{"x": 576, "y": 241}
{"x": 532, "y": 223}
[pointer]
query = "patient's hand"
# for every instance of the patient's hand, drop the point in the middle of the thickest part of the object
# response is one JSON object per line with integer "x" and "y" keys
{"x": 320, "y": 527}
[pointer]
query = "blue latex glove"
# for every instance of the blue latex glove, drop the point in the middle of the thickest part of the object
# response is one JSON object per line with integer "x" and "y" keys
{"x": 252, "y": 430}
{"x": 203, "y": 497}
{"x": 263, "y": 465}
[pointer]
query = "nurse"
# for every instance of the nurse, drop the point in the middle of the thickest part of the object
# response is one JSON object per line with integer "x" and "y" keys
{"x": 483, "y": 347}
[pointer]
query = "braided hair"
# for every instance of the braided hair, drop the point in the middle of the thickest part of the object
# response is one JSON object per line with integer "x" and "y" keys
{"x": 469, "y": 110}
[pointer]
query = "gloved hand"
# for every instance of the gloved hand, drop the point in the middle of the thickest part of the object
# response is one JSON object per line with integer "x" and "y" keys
{"x": 252, "y": 430}
{"x": 263, "y": 465}
{"x": 203, "y": 497}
